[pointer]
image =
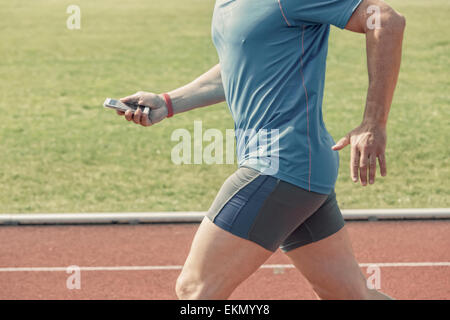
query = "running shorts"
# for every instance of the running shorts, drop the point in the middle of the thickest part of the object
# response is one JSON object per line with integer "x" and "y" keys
{"x": 274, "y": 213}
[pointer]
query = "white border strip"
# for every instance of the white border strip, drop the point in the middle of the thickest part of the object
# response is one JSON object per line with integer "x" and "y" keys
{"x": 174, "y": 217}
{"x": 173, "y": 267}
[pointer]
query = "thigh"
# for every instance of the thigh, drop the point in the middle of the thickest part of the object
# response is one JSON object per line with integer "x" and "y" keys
{"x": 221, "y": 256}
{"x": 331, "y": 267}
{"x": 220, "y": 260}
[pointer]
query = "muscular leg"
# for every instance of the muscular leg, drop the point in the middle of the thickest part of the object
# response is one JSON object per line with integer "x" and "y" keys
{"x": 331, "y": 268}
{"x": 217, "y": 263}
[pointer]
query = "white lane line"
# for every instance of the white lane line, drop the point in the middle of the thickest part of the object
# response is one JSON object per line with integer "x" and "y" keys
{"x": 407, "y": 264}
{"x": 265, "y": 266}
{"x": 117, "y": 268}
{"x": 378, "y": 264}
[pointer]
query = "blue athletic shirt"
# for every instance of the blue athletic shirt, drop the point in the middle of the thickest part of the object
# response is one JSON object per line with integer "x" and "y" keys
{"x": 272, "y": 55}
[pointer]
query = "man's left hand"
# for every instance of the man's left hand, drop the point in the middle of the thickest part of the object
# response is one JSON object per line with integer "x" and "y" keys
{"x": 368, "y": 142}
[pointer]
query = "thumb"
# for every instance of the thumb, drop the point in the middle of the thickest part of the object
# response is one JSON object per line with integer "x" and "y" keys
{"x": 134, "y": 98}
{"x": 341, "y": 143}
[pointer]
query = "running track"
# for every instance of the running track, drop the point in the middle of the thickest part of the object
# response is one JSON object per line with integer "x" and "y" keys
{"x": 143, "y": 261}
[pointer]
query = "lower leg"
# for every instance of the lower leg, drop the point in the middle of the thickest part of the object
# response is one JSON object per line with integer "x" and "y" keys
{"x": 355, "y": 292}
{"x": 331, "y": 268}
{"x": 378, "y": 295}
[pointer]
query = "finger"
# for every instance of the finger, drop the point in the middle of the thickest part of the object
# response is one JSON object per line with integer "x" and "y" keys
{"x": 341, "y": 144}
{"x": 372, "y": 168}
{"x": 120, "y": 113}
{"x": 145, "y": 121}
{"x": 363, "y": 166}
{"x": 354, "y": 163}
{"x": 129, "y": 115}
{"x": 382, "y": 161}
{"x": 137, "y": 116}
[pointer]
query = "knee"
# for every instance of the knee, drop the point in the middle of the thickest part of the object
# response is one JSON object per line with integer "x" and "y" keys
{"x": 189, "y": 287}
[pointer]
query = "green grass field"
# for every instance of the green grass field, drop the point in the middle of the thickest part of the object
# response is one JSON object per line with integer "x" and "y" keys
{"x": 60, "y": 151}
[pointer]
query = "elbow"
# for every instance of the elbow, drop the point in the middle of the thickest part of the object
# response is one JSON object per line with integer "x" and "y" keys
{"x": 400, "y": 22}
{"x": 383, "y": 18}
{"x": 395, "y": 22}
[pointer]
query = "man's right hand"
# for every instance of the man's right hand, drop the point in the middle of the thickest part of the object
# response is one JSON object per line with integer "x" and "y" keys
{"x": 155, "y": 111}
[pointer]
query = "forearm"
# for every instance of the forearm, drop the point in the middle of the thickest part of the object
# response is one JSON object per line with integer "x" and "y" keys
{"x": 203, "y": 91}
{"x": 384, "y": 50}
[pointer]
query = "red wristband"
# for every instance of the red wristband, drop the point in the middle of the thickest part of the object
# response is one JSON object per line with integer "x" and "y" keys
{"x": 168, "y": 104}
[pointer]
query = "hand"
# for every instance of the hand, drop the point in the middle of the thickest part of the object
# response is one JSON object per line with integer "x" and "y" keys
{"x": 368, "y": 142}
{"x": 155, "y": 111}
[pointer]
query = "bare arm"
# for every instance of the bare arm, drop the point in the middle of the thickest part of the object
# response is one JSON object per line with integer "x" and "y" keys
{"x": 203, "y": 91}
{"x": 384, "y": 50}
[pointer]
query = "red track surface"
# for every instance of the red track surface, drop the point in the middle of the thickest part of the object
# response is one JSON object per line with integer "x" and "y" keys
{"x": 164, "y": 245}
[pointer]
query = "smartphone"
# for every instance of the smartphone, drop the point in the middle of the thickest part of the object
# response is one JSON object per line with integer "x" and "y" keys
{"x": 119, "y": 105}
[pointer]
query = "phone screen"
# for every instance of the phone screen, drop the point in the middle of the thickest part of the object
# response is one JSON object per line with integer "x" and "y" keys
{"x": 115, "y": 103}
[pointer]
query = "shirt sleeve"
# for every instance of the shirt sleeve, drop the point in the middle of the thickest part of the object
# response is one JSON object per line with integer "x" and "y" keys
{"x": 335, "y": 12}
